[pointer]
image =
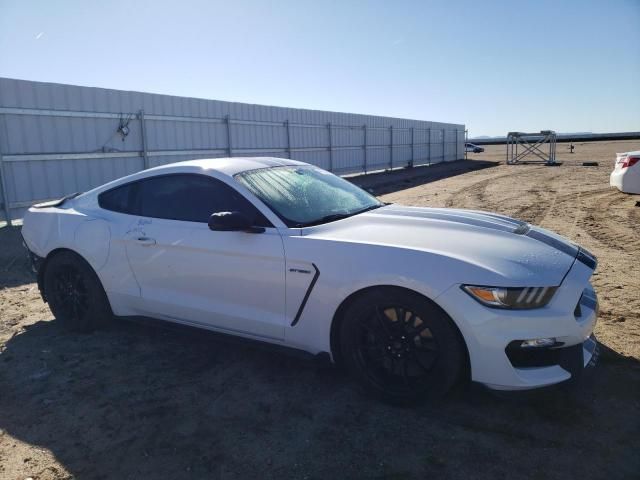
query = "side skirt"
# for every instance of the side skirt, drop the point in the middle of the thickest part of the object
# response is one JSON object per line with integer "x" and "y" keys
{"x": 321, "y": 358}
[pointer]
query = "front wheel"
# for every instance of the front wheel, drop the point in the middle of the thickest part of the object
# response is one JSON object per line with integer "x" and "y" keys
{"x": 74, "y": 293}
{"x": 400, "y": 346}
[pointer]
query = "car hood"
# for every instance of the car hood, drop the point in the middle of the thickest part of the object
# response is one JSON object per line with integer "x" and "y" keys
{"x": 513, "y": 251}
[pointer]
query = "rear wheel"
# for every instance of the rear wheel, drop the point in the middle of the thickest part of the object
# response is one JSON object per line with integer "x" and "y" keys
{"x": 74, "y": 293}
{"x": 400, "y": 346}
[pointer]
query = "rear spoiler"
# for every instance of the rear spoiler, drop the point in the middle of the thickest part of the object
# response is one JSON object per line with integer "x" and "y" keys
{"x": 56, "y": 203}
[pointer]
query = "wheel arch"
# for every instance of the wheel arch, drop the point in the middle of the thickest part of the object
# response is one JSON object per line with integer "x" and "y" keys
{"x": 45, "y": 263}
{"x": 338, "y": 317}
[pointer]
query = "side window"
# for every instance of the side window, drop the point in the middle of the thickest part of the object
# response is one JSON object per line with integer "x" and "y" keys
{"x": 191, "y": 198}
{"x": 120, "y": 199}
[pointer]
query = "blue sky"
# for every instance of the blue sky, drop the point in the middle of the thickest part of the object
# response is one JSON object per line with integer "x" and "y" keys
{"x": 495, "y": 66}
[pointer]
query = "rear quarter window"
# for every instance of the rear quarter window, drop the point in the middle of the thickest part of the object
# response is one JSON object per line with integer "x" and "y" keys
{"x": 119, "y": 199}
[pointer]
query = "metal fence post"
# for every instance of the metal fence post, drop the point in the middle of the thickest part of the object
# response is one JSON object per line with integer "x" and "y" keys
{"x": 286, "y": 124}
{"x": 413, "y": 144}
{"x": 3, "y": 179}
{"x": 444, "y": 157}
{"x": 143, "y": 134}
{"x": 457, "y": 135}
{"x": 364, "y": 146}
{"x": 329, "y": 131}
{"x": 429, "y": 145}
{"x": 229, "y": 147}
{"x": 391, "y": 149}
{"x": 466, "y": 136}
{"x": 5, "y": 195}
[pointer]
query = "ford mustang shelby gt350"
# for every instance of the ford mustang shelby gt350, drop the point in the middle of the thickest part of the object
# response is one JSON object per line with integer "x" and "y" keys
{"x": 407, "y": 299}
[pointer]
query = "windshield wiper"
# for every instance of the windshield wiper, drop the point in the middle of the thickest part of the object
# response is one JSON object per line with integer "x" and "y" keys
{"x": 326, "y": 219}
{"x": 337, "y": 216}
{"x": 371, "y": 207}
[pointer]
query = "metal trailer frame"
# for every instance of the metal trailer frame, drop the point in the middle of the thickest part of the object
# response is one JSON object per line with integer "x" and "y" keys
{"x": 532, "y": 144}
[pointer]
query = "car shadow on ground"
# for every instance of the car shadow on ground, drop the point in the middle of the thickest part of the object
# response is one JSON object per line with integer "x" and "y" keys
{"x": 135, "y": 400}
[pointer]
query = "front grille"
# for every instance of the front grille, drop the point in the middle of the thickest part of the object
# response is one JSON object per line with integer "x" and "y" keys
{"x": 543, "y": 357}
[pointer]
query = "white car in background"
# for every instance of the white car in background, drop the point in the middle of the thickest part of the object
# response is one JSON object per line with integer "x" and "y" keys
{"x": 626, "y": 172}
{"x": 410, "y": 300}
{"x": 473, "y": 148}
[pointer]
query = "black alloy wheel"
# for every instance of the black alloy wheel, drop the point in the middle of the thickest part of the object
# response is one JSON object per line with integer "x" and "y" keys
{"x": 74, "y": 292}
{"x": 401, "y": 346}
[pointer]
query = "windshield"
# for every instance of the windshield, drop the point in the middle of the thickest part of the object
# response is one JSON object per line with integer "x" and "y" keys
{"x": 304, "y": 195}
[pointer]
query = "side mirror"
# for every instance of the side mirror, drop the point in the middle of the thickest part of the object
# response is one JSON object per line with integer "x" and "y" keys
{"x": 232, "y": 222}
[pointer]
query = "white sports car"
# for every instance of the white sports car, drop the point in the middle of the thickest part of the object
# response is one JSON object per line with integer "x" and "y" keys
{"x": 626, "y": 172}
{"x": 409, "y": 300}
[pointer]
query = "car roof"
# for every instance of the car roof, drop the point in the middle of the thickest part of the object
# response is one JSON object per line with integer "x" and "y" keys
{"x": 228, "y": 165}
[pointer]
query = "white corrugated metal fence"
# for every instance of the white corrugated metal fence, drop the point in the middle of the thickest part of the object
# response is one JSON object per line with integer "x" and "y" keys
{"x": 59, "y": 139}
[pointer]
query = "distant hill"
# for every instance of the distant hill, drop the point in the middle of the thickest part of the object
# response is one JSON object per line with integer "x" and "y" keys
{"x": 488, "y": 137}
{"x": 564, "y": 137}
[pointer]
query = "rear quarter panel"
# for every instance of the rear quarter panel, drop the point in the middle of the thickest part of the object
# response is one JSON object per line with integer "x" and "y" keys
{"x": 47, "y": 229}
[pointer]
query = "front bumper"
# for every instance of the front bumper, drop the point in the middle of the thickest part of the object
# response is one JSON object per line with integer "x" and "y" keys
{"x": 571, "y": 360}
{"x": 492, "y": 334}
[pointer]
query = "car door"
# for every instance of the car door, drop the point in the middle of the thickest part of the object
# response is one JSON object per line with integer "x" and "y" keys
{"x": 234, "y": 281}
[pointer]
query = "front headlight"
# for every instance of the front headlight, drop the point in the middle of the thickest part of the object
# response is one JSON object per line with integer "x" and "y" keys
{"x": 516, "y": 298}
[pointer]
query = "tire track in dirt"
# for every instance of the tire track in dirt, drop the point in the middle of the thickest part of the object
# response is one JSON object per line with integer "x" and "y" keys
{"x": 475, "y": 196}
{"x": 538, "y": 210}
{"x": 593, "y": 213}
{"x": 615, "y": 227}
{"x": 475, "y": 192}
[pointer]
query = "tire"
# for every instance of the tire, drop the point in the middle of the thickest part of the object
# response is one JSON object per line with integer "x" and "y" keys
{"x": 74, "y": 293}
{"x": 400, "y": 346}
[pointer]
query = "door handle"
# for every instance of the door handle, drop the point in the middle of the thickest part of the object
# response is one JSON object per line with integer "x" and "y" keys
{"x": 146, "y": 241}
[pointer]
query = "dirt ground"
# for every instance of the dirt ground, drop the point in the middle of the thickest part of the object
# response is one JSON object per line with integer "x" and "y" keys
{"x": 136, "y": 401}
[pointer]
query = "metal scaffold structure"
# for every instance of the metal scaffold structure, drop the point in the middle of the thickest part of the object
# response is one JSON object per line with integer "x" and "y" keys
{"x": 531, "y": 144}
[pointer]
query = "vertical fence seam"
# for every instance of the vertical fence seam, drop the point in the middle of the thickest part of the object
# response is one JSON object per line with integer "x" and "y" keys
{"x": 364, "y": 146}
{"x": 330, "y": 133}
{"x": 229, "y": 144}
{"x": 391, "y": 148}
{"x": 286, "y": 123}
{"x": 143, "y": 134}
{"x": 3, "y": 181}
